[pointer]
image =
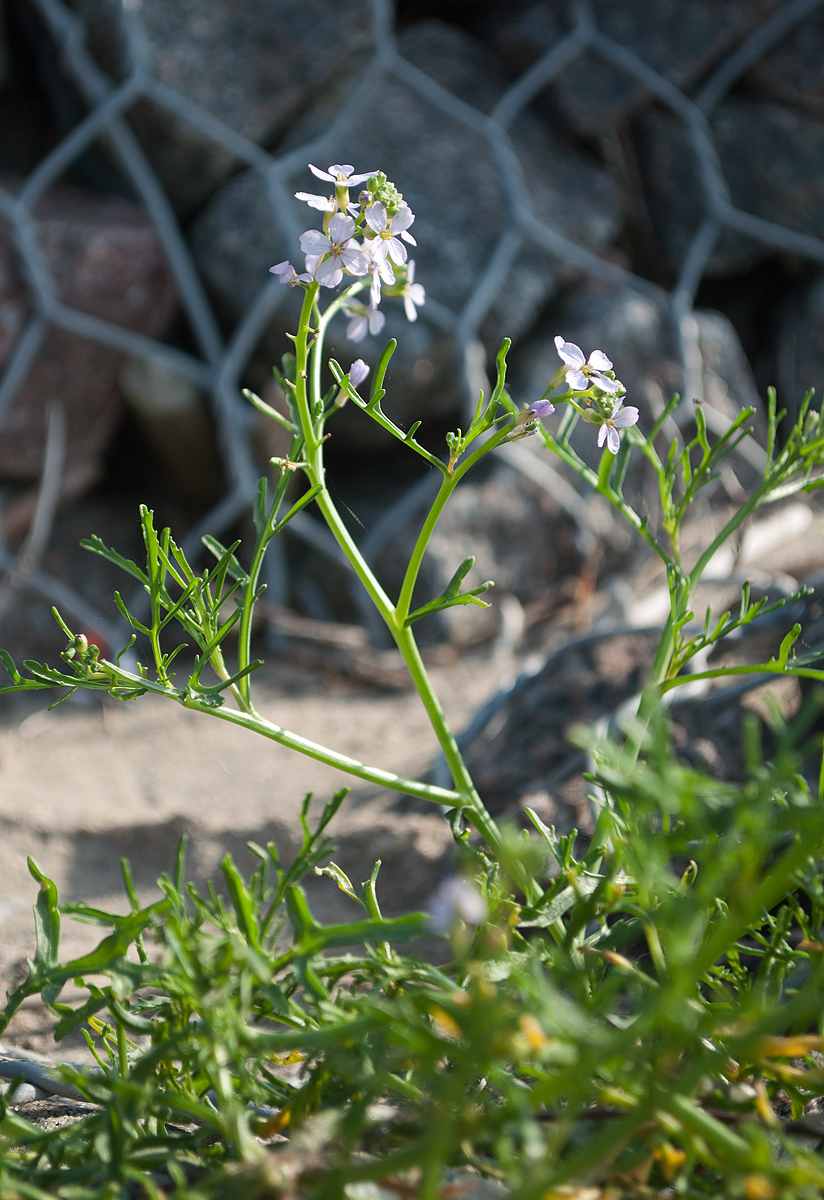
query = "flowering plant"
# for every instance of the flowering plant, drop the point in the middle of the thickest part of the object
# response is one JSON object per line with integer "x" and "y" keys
{"x": 614, "y": 1022}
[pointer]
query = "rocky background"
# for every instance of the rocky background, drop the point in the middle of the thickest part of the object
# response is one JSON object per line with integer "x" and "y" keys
{"x": 605, "y": 165}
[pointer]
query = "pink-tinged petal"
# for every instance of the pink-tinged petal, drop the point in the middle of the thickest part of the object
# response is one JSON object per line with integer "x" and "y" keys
{"x": 602, "y": 435}
{"x": 356, "y": 329}
{"x": 605, "y": 383}
{"x": 397, "y": 251}
{"x": 341, "y": 227}
{"x": 356, "y": 179}
{"x": 376, "y": 217}
{"x": 626, "y": 417}
{"x": 338, "y": 169}
{"x": 358, "y": 372}
{"x": 402, "y": 219}
{"x": 312, "y": 261}
{"x": 355, "y": 261}
{"x": 376, "y": 321}
{"x": 409, "y": 308}
{"x": 329, "y": 273}
{"x": 599, "y": 361}
{"x": 577, "y": 380}
{"x": 314, "y": 242}
{"x": 407, "y": 237}
{"x": 305, "y": 278}
{"x": 571, "y": 354}
{"x": 321, "y": 174}
{"x": 542, "y": 408}
{"x": 321, "y": 203}
{"x": 613, "y": 439}
{"x": 282, "y": 269}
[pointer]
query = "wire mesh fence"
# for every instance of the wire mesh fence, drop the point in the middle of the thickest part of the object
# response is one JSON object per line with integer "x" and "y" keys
{"x": 218, "y": 364}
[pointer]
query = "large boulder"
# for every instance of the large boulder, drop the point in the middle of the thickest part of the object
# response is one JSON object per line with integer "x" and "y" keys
{"x": 254, "y": 64}
{"x": 682, "y": 42}
{"x": 771, "y": 159}
{"x": 106, "y": 260}
{"x": 450, "y": 178}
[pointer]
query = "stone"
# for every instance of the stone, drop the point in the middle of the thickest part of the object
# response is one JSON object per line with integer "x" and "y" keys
{"x": 106, "y": 260}
{"x": 449, "y": 176}
{"x": 682, "y": 42}
{"x": 771, "y": 159}
{"x": 253, "y": 64}
{"x": 800, "y": 351}
{"x": 792, "y": 71}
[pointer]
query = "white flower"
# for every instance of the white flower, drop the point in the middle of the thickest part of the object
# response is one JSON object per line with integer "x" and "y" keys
{"x": 387, "y": 242}
{"x": 581, "y": 374}
{"x": 321, "y": 203}
{"x": 381, "y": 272}
{"x": 286, "y": 273}
{"x": 621, "y": 418}
{"x": 358, "y": 372}
{"x": 364, "y": 320}
{"x": 332, "y": 254}
{"x": 341, "y": 175}
{"x": 413, "y": 293}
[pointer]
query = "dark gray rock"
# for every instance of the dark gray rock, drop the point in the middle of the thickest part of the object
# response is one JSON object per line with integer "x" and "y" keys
{"x": 449, "y": 176}
{"x": 792, "y": 72}
{"x": 254, "y": 64}
{"x": 771, "y": 158}
{"x": 680, "y": 41}
{"x": 106, "y": 260}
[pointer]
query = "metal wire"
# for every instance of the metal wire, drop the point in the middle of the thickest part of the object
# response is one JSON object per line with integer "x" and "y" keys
{"x": 218, "y": 367}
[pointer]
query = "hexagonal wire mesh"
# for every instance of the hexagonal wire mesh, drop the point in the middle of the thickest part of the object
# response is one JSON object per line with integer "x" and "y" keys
{"x": 219, "y": 365}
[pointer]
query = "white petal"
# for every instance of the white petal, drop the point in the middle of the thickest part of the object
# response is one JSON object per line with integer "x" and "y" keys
{"x": 613, "y": 439}
{"x": 605, "y": 383}
{"x": 282, "y": 268}
{"x": 321, "y": 174}
{"x": 355, "y": 261}
{"x": 410, "y": 270}
{"x": 416, "y": 293}
{"x": 385, "y": 271}
{"x": 376, "y": 321}
{"x": 341, "y": 227}
{"x": 402, "y": 219}
{"x": 321, "y": 203}
{"x": 571, "y": 354}
{"x": 407, "y": 237}
{"x": 397, "y": 251}
{"x": 409, "y": 307}
{"x": 577, "y": 379}
{"x": 312, "y": 261}
{"x": 356, "y": 329}
{"x": 329, "y": 273}
{"x": 599, "y": 361}
{"x": 376, "y": 217}
{"x": 340, "y": 169}
{"x": 626, "y": 417}
{"x": 314, "y": 242}
{"x": 602, "y": 434}
{"x": 355, "y": 179}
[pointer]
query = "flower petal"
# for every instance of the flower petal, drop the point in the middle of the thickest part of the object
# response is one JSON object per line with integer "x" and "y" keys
{"x": 355, "y": 179}
{"x": 341, "y": 227}
{"x": 613, "y": 439}
{"x": 397, "y": 250}
{"x": 338, "y": 169}
{"x": 409, "y": 308}
{"x": 314, "y": 242}
{"x": 321, "y": 203}
{"x": 599, "y": 361}
{"x": 605, "y": 383}
{"x": 402, "y": 219}
{"x": 358, "y": 372}
{"x": 626, "y": 417}
{"x": 356, "y": 329}
{"x": 571, "y": 354}
{"x": 577, "y": 379}
{"x": 321, "y": 174}
{"x": 376, "y": 217}
{"x": 376, "y": 321}
{"x": 355, "y": 261}
{"x": 407, "y": 237}
{"x": 602, "y": 435}
{"x": 329, "y": 272}
{"x": 542, "y": 408}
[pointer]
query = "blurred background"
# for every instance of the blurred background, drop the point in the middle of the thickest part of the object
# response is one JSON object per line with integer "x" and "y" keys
{"x": 643, "y": 176}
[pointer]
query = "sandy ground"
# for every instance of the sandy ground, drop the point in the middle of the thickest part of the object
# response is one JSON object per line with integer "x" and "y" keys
{"x": 84, "y": 785}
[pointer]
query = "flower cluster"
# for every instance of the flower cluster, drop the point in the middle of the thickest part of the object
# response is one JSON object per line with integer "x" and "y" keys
{"x": 592, "y": 381}
{"x": 381, "y": 218}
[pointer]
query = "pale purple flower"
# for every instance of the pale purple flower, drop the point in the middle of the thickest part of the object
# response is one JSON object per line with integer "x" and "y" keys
{"x": 413, "y": 293}
{"x": 541, "y": 409}
{"x": 456, "y": 898}
{"x": 286, "y": 273}
{"x": 335, "y": 252}
{"x": 621, "y": 418}
{"x": 321, "y": 203}
{"x": 341, "y": 175}
{"x": 387, "y": 241}
{"x": 364, "y": 320}
{"x": 580, "y": 373}
{"x": 358, "y": 372}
